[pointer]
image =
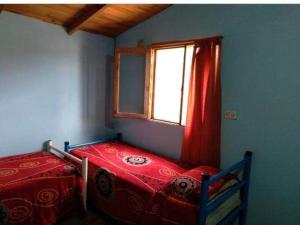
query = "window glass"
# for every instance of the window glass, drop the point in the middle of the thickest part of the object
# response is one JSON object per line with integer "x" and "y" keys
{"x": 172, "y": 74}
{"x": 168, "y": 84}
{"x": 132, "y": 83}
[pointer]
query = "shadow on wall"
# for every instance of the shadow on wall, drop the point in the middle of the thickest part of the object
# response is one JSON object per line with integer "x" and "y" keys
{"x": 96, "y": 80}
{"x": 109, "y": 89}
{"x": 52, "y": 85}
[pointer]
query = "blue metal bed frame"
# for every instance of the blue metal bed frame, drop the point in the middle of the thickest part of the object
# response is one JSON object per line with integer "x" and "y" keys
{"x": 69, "y": 147}
{"x": 206, "y": 207}
{"x": 240, "y": 211}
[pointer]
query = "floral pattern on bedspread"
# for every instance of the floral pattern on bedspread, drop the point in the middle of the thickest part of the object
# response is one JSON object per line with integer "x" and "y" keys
{"x": 38, "y": 189}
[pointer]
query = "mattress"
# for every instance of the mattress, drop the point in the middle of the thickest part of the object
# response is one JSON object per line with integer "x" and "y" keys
{"x": 138, "y": 187}
{"x": 38, "y": 189}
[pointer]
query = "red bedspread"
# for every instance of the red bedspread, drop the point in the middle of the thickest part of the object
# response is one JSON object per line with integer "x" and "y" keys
{"x": 37, "y": 189}
{"x": 137, "y": 187}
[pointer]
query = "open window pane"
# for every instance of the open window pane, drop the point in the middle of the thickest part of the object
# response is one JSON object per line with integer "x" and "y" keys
{"x": 131, "y": 81}
{"x": 132, "y": 74}
{"x": 168, "y": 84}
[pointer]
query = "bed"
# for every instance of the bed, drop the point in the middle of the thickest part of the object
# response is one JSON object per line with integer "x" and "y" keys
{"x": 135, "y": 186}
{"x": 42, "y": 187}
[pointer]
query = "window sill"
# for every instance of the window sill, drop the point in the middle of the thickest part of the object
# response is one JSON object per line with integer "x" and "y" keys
{"x": 165, "y": 122}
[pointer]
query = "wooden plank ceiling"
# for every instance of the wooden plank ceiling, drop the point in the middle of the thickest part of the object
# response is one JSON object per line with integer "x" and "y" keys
{"x": 110, "y": 20}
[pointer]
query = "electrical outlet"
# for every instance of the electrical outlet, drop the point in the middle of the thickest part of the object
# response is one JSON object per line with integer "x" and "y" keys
{"x": 230, "y": 115}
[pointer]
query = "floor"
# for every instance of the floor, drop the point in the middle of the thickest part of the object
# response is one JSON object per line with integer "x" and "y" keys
{"x": 92, "y": 218}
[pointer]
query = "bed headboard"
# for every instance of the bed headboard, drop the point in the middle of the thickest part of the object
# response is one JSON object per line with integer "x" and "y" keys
{"x": 68, "y": 147}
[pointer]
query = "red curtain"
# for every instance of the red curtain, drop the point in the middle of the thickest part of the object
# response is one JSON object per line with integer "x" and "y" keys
{"x": 201, "y": 143}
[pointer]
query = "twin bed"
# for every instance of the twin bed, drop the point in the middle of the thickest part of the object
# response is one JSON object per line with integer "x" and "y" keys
{"x": 135, "y": 186}
{"x": 41, "y": 188}
{"x": 129, "y": 184}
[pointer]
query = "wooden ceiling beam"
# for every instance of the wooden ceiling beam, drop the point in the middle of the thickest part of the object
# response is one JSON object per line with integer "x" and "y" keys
{"x": 83, "y": 17}
{"x": 110, "y": 20}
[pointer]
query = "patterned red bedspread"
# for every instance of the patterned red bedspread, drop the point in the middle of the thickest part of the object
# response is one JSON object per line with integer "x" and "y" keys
{"x": 138, "y": 187}
{"x": 38, "y": 189}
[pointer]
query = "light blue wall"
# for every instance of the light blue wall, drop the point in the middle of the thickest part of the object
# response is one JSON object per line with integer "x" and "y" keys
{"x": 260, "y": 80}
{"x": 52, "y": 85}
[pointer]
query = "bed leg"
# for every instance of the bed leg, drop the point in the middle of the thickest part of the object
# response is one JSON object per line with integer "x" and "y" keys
{"x": 85, "y": 179}
{"x": 48, "y": 145}
{"x": 119, "y": 136}
{"x": 245, "y": 189}
{"x": 203, "y": 200}
{"x": 66, "y": 144}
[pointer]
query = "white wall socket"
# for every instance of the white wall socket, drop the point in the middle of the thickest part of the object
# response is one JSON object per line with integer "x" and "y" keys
{"x": 230, "y": 115}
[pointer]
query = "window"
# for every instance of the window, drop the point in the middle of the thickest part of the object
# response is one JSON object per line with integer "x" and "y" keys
{"x": 131, "y": 83}
{"x": 171, "y": 75}
{"x": 153, "y": 83}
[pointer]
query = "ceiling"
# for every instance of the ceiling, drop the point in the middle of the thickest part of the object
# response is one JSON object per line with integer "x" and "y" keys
{"x": 110, "y": 20}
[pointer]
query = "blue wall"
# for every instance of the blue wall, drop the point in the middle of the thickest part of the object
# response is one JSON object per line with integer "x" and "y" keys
{"x": 260, "y": 80}
{"x": 52, "y": 85}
